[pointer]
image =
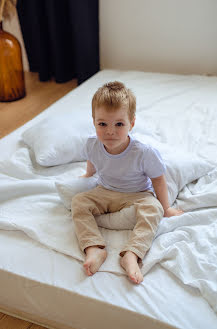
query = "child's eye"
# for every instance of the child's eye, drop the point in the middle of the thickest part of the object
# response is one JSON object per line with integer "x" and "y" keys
{"x": 102, "y": 124}
{"x": 119, "y": 124}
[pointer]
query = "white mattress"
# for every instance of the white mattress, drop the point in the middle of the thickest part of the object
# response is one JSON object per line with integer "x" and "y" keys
{"x": 51, "y": 286}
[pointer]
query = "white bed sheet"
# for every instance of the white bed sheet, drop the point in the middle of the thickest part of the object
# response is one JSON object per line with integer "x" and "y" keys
{"x": 161, "y": 296}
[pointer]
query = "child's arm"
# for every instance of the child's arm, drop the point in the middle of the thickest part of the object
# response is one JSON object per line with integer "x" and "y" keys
{"x": 160, "y": 187}
{"x": 90, "y": 170}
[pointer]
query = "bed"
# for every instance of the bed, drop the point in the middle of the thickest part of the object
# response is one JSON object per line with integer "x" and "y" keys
{"x": 42, "y": 279}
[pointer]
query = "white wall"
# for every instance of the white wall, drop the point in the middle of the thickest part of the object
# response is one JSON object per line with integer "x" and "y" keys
{"x": 174, "y": 36}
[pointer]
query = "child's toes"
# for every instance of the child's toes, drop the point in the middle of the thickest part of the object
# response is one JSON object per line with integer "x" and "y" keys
{"x": 133, "y": 278}
{"x": 136, "y": 277}
{"x": 140, "y": 278}
{"x": 87, "y": 269}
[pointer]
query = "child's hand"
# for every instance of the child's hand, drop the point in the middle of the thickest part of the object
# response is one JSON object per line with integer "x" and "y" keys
{"x": 169, "y": 212}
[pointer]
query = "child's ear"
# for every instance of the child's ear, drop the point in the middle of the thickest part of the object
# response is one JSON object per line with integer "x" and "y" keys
{"x": 132, "y": 123}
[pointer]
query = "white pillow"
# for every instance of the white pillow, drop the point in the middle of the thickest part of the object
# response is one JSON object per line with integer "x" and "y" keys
{"x": 59, "y": 139}
{"x": 181, "y": 166}
{"x": 125, "y": 219}
{"x": 67, "y": 189}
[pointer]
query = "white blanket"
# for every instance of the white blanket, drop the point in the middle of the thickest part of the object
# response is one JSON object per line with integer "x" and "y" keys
{"x": 185, "y": 245}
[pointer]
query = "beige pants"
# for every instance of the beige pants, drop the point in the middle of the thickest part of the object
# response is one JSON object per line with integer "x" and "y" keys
{"x": 100, "y": 201}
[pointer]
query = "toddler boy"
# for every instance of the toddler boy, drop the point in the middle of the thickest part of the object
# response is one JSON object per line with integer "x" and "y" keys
{"x": 130, "y": 173}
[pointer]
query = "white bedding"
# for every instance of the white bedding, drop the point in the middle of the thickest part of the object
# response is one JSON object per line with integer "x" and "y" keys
{"x": 186, "y": 246}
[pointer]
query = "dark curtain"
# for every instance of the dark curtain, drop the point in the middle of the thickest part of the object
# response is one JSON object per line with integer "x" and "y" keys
{"x": 61, "y": 37}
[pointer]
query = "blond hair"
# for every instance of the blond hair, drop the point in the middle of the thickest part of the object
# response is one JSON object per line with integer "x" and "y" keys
{"x": 112, "y": 96}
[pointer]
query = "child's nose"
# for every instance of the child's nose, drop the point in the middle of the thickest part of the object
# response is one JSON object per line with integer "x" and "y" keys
{"x": 110, "y": 130}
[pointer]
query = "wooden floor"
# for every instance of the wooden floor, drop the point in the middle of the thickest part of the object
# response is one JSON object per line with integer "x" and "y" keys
{"x": 13, "y": 115}
{"x": 8, "y": 322}
{"x": 39, "y": 95}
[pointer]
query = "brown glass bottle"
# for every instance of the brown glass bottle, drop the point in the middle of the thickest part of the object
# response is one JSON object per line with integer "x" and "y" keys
{"x": 12, "y": 83}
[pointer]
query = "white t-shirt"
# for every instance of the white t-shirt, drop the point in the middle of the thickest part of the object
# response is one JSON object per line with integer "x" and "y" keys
{"x": 129, "y": 171}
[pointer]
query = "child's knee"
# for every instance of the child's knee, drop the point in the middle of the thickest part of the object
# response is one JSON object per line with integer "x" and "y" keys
{"x": 152, "y": 208}
{"x": 78, "y": 199}
{"x": 156, "y": 206}
{"x": 159, "y": 208}
{"x": 156, "y": 209}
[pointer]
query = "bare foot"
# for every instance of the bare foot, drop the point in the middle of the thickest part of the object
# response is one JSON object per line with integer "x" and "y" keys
{"x": 95, "y": 256}
{"x": 130, "y": 263}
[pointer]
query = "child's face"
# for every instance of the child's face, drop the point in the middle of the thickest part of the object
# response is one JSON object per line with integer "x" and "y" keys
{"x": 112, "y": 129}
